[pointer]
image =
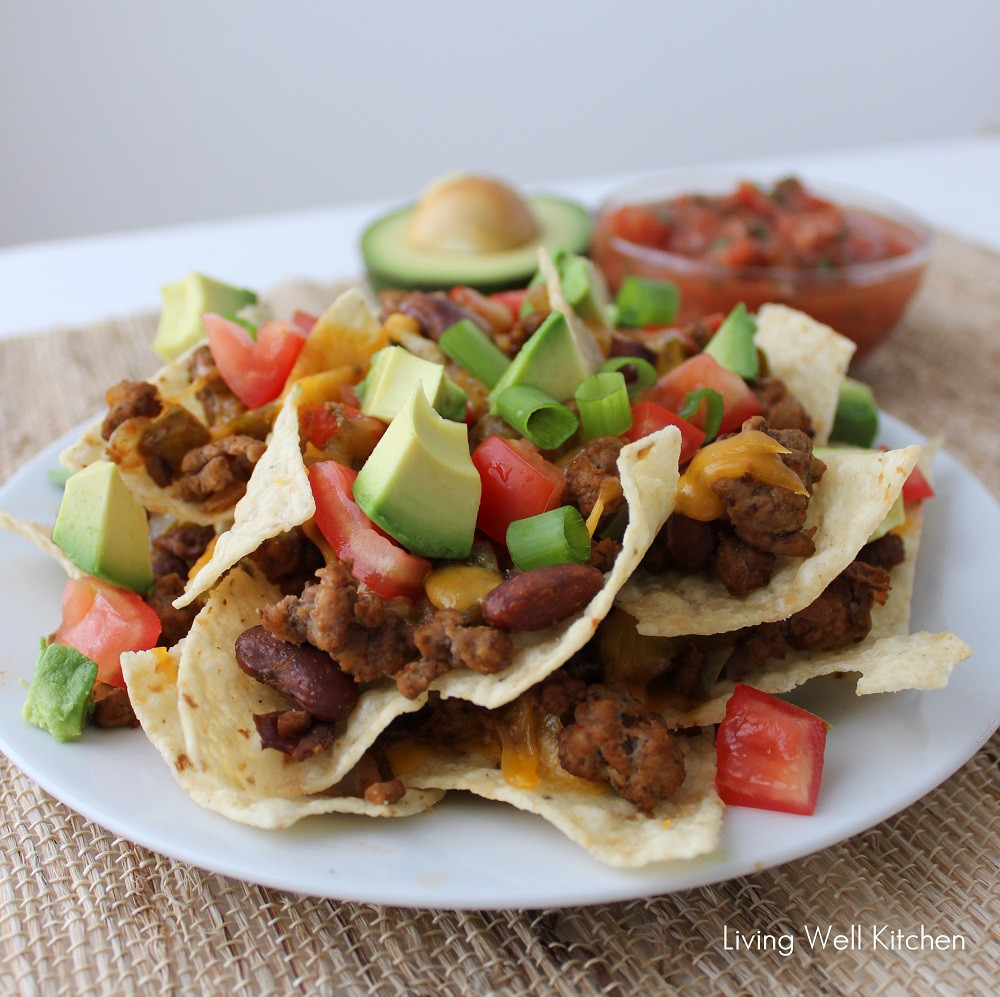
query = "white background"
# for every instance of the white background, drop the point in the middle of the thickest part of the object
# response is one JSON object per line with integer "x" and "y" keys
{"x": 121, "y": 115}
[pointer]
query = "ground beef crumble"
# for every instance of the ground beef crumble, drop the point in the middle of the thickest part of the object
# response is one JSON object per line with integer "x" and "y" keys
{"x": 768, "y": 517}
{"x": 129, "y": 400}
{"x": 782, "y": 410}
{"x": 596, "y": 460}
{"x": 289, "y": 560}
{"x": 217, "y": 400}
{"x": 761, "y": 523}
{"x": 215, "y": 475}
{"x": 615, "y": 739}
{"x": 445, "y": 641}
{"x": 358, "y": 628}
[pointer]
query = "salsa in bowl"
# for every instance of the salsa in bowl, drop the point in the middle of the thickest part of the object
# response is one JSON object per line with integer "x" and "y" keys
{"x": 847, "y": 259}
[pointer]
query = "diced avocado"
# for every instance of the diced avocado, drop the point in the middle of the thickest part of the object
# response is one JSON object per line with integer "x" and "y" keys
{"x": 896, "y": 516}
{"x": 856, "y": 420}
{"x": 643, "y": 301}
{"x": 184, "y": 303}
{"x": 549, "y": 360}
{"x": 733, "y": 344}
{"x": 102, "y": 528}
{"x": 391, "y": 378}
{"x": 420, "y": 484}
{"x": 451, "y": 400}
{"x": 59, "y": 699}
{"x": 393, "y": 260}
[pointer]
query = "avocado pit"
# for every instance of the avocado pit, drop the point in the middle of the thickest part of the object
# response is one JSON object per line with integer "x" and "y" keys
{"x": 472, "y": 214}
{"x": 471, "y": 230}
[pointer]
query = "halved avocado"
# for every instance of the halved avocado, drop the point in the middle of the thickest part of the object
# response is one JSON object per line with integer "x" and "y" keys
{"x": 394, "y": 259}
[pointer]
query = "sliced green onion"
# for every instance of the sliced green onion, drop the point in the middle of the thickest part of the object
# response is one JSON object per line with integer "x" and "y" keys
{"x": 559, "y": 536}
{"x": 604, "y": 404}
{"x": 474, "y": 351}
{"x": 641, "y": 301}
{"x": 713, "y": 410}
{"x": 537, "y": 416}
{"x": 574, "y": 277}
{"x": 645, "y": 373}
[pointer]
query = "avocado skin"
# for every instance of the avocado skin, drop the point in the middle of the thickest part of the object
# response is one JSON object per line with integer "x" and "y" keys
{"x": 390, "y": 263}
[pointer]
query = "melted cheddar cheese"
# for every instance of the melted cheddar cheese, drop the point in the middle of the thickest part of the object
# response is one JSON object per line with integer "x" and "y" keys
{"x": 750, "y": 452}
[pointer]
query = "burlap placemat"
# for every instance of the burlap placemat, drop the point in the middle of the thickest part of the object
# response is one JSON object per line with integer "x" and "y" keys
{"x": 84, "y": 911}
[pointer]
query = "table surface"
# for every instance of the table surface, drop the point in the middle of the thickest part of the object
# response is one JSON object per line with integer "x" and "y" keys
{"x": 954, "y": 184}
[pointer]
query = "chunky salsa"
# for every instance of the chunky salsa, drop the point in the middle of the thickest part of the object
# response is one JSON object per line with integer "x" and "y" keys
{"x": 848, "y": 267}
{"x": 784, "y": 226}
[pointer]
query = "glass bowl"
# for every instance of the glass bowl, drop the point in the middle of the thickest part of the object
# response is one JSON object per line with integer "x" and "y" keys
{"x": 863, "y": 300}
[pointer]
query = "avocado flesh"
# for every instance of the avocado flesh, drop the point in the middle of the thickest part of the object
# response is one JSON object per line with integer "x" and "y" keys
{"x": 856, "y": 421}
{"x": 733, "y": 344}
{"x": 184, "y": 303}
{"x": 103, "y": 529}
{"x": 392, "y": 262}
{"x": 392, "y": 376}
{"x": 550, "y": 361}
{"x": 60, "y": 694}
{"x": 420, "y": 484}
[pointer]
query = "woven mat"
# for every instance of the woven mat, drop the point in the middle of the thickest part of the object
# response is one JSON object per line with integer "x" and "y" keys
{"x": 84, "y": 911}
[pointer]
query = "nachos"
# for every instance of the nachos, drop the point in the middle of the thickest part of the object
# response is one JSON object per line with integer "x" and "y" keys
{"x": 521, "y": 545}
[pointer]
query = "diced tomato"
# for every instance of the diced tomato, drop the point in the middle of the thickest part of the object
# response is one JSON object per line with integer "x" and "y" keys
{"x": 512, "y": 300}
{"x": 917, "y": 487}
{"x": 375, "y": 559}
{"x": 770, "y": 753}
{"x": 704, "y": 371}
{"x": 254, "y": 369}
{"x": 517, "y": 482}
{"x": 648, "y": 417}
{"x": 101, "y": 621}
{"x": 304, "y": 320}
{"x": 356, "y": 433}
{"x": 635, "y": 223}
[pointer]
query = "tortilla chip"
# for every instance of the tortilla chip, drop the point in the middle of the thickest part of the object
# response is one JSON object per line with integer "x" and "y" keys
{"x": 348, "y": 333}
{"x": 606, "y": 826}
{"x": 210, "y": 675}
{"x": 809, "y": 357}
{"x": 850, "y": 501}
{"x": 151, "y": 677}
{"x": 41, "y": 537}
{"x": 278, "y": 497}
{"x": 887, "y": 664}
{"x": 217, "y": 701}
{"x": 893, "y": 617}
{"x": 649, "y": 475}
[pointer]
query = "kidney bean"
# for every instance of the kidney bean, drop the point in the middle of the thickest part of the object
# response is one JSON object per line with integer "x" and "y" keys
{"x": 538, "y": 598}
{"x": 302, "y": 672}
{"x": 437, "y": 312}
{"x": 626, "y": 346}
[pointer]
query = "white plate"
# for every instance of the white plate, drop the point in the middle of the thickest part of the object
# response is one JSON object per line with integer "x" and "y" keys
{"x": 883, "y": 753}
